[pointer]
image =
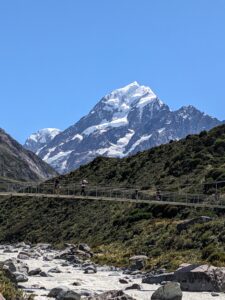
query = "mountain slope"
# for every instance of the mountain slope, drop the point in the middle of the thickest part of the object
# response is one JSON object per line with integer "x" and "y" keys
{"x": 126, "y": 121}
{"x": 36, "y": 141}
{"x": 180, "y": 164}
{"x": 20, "y": 164}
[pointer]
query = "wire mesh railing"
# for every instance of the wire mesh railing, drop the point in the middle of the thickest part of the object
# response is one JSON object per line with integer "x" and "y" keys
{"x": 113, "y": 193}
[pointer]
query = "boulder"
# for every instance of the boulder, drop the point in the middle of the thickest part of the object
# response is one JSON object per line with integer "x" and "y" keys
{"x": 44, "y": 274}
{"x": 111, "y": 295}
{"x": 90, "y": 270}
{"x": 69, "y": 295}
{"x": 35, "y": 272}
{"x": 20, "y": 277}
{"x": 123, "y": 281}
{"x": 10, "y": 264}
{"x": 134, "y": 286}
{"x": 198, "y": 220}
{"x": 169, "y": 291}
{"x": 54, "y": 270}
{"x": 63, "y": 293}
{"x": 55, "y": 292}
{"x": 158, "y": 279}
{"x": 84, "y": 247}
{"x": 201, "y": 278}
{"x": 23, "y": 255}
{"x": 23, "y": 268}
{"x": 43, "y": 246}
{"x": 138, "y": 262}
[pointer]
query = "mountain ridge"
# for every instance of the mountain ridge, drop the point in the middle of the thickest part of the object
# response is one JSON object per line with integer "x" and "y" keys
{"x": 21, "y": 164}
{"x": 122, "y": 123}
{"x": 179, "y": 165}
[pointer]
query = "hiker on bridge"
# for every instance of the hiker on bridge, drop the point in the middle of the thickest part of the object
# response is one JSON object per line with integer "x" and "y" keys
{"x": 158, "y": 195}
{"x": 84, "y": 183}
{"x": 56, "y": 186}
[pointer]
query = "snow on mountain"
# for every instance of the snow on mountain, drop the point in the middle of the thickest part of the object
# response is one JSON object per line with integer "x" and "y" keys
{"x": 125, "y": 121}
{"x": 36, "y": 141}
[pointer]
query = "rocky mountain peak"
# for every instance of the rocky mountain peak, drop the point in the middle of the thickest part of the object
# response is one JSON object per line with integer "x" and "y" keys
{"x": 123, "y": 122}
{"x": 40, "y": 138}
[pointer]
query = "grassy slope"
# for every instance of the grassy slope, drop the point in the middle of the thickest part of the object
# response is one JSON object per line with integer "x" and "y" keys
{"x": 9, "y": 291}
{"x": 191, "y": 161}
{"x": 115, "y": 230}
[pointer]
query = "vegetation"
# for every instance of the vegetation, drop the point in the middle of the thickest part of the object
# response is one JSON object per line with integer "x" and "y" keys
{"x": 116, "y": 230}
{"x": 10, "y": 291}
{"x": 185, "y": 165}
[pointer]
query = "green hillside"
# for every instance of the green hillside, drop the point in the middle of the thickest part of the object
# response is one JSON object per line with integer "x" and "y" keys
{"x": 183, "y": 165}
{"x": 116, "y": 230}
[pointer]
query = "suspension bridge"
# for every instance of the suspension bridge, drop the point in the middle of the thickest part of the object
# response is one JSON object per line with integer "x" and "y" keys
{"x": 64, "y": 190}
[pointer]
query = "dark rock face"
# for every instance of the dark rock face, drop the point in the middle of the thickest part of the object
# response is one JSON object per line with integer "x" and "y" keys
{"x": 19, "y": 163}
{"x": 126, "y": 121}
{"x": 201, "y": 278}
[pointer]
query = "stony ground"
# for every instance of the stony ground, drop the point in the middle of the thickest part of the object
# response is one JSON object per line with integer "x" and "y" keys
{"x": 106, "y": 278}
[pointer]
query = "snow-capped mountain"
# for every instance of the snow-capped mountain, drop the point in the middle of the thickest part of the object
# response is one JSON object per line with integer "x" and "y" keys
{"x": 127, "y": 120}
{"x": 36, "y": 141}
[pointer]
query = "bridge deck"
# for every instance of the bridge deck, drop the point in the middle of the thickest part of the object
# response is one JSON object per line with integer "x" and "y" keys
{"x": 8, "y": 195}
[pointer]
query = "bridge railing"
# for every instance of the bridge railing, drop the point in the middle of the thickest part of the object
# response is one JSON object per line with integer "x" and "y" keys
{"x": 111, "y": 192}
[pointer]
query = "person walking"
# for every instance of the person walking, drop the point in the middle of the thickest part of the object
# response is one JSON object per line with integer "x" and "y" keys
{"x": 56, "y": 186}
{"x": 84, "y": 182}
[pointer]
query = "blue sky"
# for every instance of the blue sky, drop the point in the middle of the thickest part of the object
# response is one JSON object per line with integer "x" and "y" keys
{"x": 58, "y": 58}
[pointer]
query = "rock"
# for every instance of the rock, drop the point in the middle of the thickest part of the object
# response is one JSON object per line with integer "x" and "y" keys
{"x": 68, "y": 255}
{"x": 23, "y": 268}
{"x": 158, "y": 279}
{"x": 76, "y": 283}
{"x": 69, "y": 295}
{"x": 23, "y": 255}
{"x": 1, "y": 297}
{"x": 199, "y": 220}
{"x": 86, "y": 293}
{"x": 138, "y": 262}
{"x": 111, "y": 295}
{"x": 43, "y": 246}
{"x": 8, "y": 249}
{"x": 21, "y": 245}
{"x": 63, "y": 293}
{"x": 35, "y": 272}
{"x": 10, "y": 264}
{"x": 201, "y": 278}
{"x": 134, "y": 286}
{"x": 84, "y": 247}
{"x": 48, "y": 257}
{"x": 90, "y": 270}
{"x": 20, "y": 277}
{"x": 44, "y": 274}
{"x": 123, "y": 281}
{"x": 213, "y": 294}
{"x": 54, "y": 270}
{"x": 83, "y": 254}
{"x": 114, "y": 274}
{"x": 169, "y": 291}
{"x": 55, "y": 292}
